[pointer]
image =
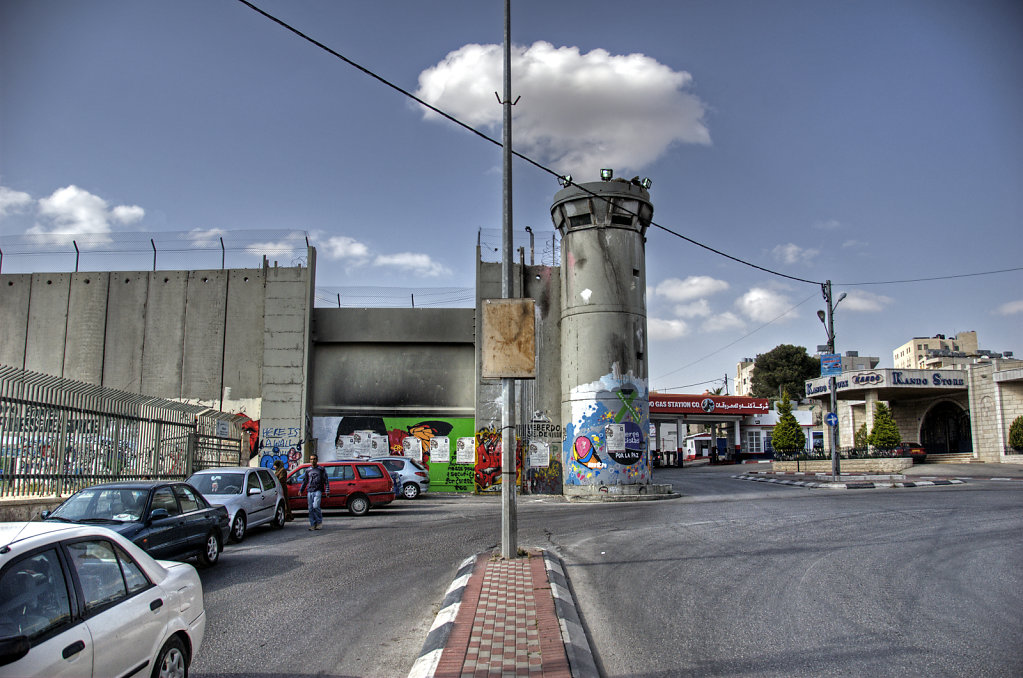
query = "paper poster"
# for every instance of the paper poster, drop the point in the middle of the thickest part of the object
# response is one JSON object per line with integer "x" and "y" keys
{"x": 440, "y": 449}
{"x": 614, "y": 435}
{"x": 413, "y": 448}
{"x": 539, "y": 454}
{"x": 465, "y": 451}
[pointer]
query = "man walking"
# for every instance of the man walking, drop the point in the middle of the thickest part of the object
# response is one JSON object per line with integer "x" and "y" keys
{"x": 316, "y": 482}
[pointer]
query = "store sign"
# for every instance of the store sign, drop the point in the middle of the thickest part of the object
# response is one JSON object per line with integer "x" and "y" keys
{"x": 706, "y": 404}
{"x": 889, "y": 379}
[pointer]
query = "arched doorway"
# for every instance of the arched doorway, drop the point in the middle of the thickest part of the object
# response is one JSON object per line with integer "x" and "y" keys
{"x": 946, "y": 429}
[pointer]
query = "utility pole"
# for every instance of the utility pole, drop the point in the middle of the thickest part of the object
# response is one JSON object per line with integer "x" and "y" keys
{"x": 509, "y": 527}
{"x": 830, "y": 327}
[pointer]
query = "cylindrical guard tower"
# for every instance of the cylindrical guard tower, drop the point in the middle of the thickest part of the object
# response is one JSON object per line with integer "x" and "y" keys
{"x": 604, "y": 393}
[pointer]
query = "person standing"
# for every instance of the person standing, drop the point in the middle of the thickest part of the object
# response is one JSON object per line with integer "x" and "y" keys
{"x": 281, "y": 471}
{"x": 315, "y": 482}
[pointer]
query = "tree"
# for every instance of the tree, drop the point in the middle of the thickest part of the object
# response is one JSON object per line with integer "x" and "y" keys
{"x": 860, "y": 439}
{"x": 885, "y": 435}
{"x": 784, "y": 368}
{"x": 787, "y": 436}
{"x": 1016, "y": 433}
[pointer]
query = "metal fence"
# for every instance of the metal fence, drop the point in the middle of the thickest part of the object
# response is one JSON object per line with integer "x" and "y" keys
{"x": 59, "y": 435}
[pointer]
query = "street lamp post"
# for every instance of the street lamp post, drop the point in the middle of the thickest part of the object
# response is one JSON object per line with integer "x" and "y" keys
{"x": 828, "y": 319}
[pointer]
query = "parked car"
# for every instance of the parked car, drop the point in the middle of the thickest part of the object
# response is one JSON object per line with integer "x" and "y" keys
{"x": 252, "y": 496}
{"x": 914, "y": 450}
{"x": 81, "y": 600}
{"x": 412, "y": 477}
{"x": 166, "y": 519}
{"x": 355, "y": 485}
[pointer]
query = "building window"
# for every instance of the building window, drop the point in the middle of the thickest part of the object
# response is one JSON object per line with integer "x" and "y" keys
{"x": 753, "y": 442}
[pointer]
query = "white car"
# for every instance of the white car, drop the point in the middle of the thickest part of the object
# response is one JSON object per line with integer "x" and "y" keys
{"x": 251, "y": 495}
{"x": 81, "y": 600}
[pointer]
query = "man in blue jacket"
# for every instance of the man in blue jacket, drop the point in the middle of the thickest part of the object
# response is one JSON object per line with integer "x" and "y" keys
{"x": 316, "y": 482}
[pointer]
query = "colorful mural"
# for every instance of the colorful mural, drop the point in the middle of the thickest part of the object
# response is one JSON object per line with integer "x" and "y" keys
{"x": 284, "y": 443}
{"x": 606, "y": 441}
{"x": 331, "y": 432}
{"x": 488, "y": 461}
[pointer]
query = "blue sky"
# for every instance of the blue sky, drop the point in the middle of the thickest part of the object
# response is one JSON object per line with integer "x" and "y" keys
{"x": 858, "y": 142}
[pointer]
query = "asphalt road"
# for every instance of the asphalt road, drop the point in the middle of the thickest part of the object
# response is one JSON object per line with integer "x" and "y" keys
{"x": 733, "y": 579}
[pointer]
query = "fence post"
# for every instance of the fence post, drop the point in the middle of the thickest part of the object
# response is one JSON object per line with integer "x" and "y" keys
{"x": 193, "y": 443}
{"x": 154, "y": 462}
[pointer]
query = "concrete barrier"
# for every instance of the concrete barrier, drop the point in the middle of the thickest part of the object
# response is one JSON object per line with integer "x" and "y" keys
{"x": 27, "y": 508}
{"x": 882, "y": 465}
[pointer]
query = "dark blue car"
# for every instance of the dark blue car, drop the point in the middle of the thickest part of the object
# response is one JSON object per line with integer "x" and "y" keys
{"x": 168, "y": 520}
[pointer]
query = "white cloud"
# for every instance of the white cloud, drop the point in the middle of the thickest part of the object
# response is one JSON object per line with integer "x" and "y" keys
{"x": 692, "y": 288}
{"x": 343, "y": 247}
{"x": 865, "y": 301}
{"x": 828, "y": 225}
{"x": 206, "y": 238}
{"x": 724, "y": 322}
{"x": 74, "y": 211}
{"x": 13, "y": 201}
{"x": 857, "y": 244}
{"x": 127, "y": 214}
{"x": 697, "y": 309}
{"x": 791, "y": 253}
{"x": 763, "y": 305}
{"x": 660, "y": 329}
{"x": 413, "y": 262}
{"x": 578, "y": 112}
{"x": 1010, "y": 308}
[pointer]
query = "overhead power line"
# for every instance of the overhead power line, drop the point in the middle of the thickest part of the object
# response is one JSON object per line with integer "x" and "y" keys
{"x": 544, "y": 168}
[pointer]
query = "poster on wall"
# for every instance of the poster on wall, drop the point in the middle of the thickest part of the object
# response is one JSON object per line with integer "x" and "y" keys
{"x": 344, "y": 448}
{"x": 379, "y": 446}
{"x": 614, "y": 435}
{"x": 539, "y": 454}
{"x": 465, "y": 451}
{"x": 440, "y": 449}
{"x": 413, "y": 448}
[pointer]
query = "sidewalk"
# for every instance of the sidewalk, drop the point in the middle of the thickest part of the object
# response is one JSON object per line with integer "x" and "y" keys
{"x": 507, "y": 618}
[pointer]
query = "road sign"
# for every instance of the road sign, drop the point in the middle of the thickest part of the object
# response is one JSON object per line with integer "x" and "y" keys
{"x": 832, "y": 419}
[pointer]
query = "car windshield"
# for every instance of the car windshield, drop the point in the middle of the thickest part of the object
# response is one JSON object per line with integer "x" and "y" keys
{"x": 218, "y": 483}
{"x": 102, "y": 504}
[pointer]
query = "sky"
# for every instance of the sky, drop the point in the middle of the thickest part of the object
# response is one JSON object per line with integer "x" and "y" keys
{"x": 862, "y": 143}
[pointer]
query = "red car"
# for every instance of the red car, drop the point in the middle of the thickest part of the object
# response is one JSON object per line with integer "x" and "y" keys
{"x": 356, "y": 485}
{"x": 914, "y": 450}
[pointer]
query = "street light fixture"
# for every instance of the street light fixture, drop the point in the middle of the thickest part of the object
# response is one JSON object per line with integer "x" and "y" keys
{"x": 607, "y": 174}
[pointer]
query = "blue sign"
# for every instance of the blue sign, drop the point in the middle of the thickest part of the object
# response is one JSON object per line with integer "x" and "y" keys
{"x": 832, "y": 419}
{"x": 831, "y": 365}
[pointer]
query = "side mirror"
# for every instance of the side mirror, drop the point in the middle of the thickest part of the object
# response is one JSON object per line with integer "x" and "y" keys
{"x": 158, "y": 514}
{"x": 13, "y": 648}
{"x": 254, "y": 490}
{"x": 45, "y": 514}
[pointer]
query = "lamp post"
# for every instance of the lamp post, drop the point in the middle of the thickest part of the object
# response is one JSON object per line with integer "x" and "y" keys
{"x": 828, "y": 318}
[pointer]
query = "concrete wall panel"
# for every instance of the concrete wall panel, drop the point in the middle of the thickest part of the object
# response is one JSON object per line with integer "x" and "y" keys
{"x": 127, "y": 294}
{"x": 165, "y": 329}
{"x": 393, "y": 378}
{"x": 205, "y": 316}
{"x": 47, "y": 323}
{"x": 243, "y": 372}
{"x": 87, "y": 323}
{"x": 15, "y": 290}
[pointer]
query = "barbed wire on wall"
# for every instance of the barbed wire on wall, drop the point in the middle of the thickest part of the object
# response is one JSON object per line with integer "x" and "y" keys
{"x": 395, "y": 297}
{"x": 546, "y": 246}
{"x": 167, "y": 250}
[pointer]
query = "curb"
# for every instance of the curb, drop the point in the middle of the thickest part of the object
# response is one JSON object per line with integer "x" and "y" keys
{"x": 437, "y": 638}
{"x": 850, "y": 485}
{"x": 573, "y": 635}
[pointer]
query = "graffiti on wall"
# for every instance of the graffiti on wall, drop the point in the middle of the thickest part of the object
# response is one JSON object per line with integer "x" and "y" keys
{"x": 545, "y": 479}
{"x": 282, "y": 443}
{"x": 606, "y": 441}
{"x": 334, "y": 433}
{"x": 488, "y": 460}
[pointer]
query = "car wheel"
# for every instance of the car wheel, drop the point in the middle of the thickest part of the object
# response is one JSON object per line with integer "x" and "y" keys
{"x": 211, "y": 550}
{"x": 172, "y": 662}
{"x": 278, "y": 521}
{"x": 238, "y": 527}
{"x": 358, "y": 505}
{"x": 410, "y": 491}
